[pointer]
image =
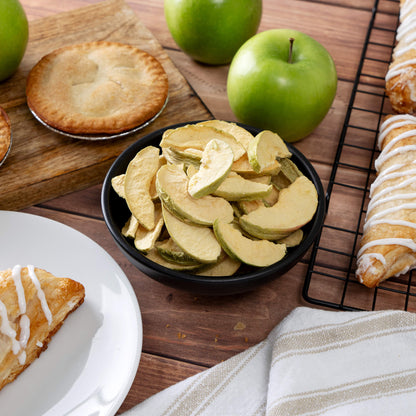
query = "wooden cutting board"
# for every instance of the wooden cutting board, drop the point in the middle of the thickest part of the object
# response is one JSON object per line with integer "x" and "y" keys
{"x": 42, "y": 164}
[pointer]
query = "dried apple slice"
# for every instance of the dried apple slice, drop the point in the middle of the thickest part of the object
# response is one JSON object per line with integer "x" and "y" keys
{"x": 170, "y": 251}
{"x": 265, "y": 149}
{"x": 296, "y": 206}
{"x": 293, "y": 239}
{"x": 259, "y": 253}
{"x": 242, "y": 167}
{"x": 272, "y": 198}
{"x": 290, "y": 170}
{"x": 189, "y": 157}
{"x": 117, "y": 182}
{"x": 236, "y": 188}
{"x": 144, "y": 240}
{"x": 216, "y": 162}
{"x": 130, "y": 227}
{"x": 155, "y": 256}
{"x": 241, "y": 134}
{"x": 196, "y": 241}
{"x": 197, "y": 137}
{"x": 139, "y": 174}
{"x": 226, "y": 266}
{"x": 172, "y": 187}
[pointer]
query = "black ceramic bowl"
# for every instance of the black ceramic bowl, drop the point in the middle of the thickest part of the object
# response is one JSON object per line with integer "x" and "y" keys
{"x": 116, "y": 214}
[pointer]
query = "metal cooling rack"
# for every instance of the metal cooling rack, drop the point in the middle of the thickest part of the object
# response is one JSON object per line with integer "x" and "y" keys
{"x": 330, "y": 280}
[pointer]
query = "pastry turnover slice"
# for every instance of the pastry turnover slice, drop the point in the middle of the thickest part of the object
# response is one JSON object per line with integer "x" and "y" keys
{"x": 97, "y": 87}
{"x": 388, "y": 245}
{"x": 5, "y": 134}
{"x": 33, "y": 306}
{"x": 401, "y": 75}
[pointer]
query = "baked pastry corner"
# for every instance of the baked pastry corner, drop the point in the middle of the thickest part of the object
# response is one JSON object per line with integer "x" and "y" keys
{"x": 33, "y": 306}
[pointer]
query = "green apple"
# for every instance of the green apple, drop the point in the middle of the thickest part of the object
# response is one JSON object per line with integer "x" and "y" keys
{"x": 211, "y": 31}
{"x": 282, "y": 80}
{"x": 14, "y": 34}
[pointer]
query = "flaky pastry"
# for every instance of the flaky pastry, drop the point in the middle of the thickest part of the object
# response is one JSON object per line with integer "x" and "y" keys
{"x": 5, "y": 134}
{"x": 388, "y": 245}
{"x": 97, "y": 87}
{"x": 401, "y": 75}
{"x": 33, "y": 306}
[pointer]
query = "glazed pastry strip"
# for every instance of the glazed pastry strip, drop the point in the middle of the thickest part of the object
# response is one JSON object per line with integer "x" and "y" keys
{"x": 401, "y": 75}
{"x": 388, "y": 245}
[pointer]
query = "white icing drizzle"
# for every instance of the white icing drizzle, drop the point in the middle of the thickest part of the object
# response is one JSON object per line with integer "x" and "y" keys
{"x": 386, "y": 156}
{"x": 40, "y": 293}
{"x": 24, "y": 337}
{"x": 387, "y": 211}
{"x": 406, "y": 26}
{"x": 407, "y": 242}
{"x": 400, "y": 68}
{"x": 406, "y": 8}
{"x": 392, "y": 123}
{"x": 405, "y": 37}
{"x": 401, "y": 136}
{"x": 16, "y": 274}
{"x": 19, "y": 346}
{"x": 377, "y": 202}
{"x": 398, "y": 193}
{"x": 393, "y": 175}
{"x": 6, "y": 328}
{"x": 401, "y": 51}
{"x": 24, "y": 331}
{"x": 377, "y": 256}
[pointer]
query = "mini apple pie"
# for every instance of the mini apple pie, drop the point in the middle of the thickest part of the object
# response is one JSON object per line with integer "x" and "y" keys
{"x": 33, "y": 306}
{"x": 97, "y": 87}
{"x": 5, "y": 134}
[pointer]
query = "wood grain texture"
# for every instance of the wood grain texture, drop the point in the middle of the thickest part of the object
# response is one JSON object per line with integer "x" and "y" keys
{"x": 183, "y": 333}
{"x": 65, "y": 164}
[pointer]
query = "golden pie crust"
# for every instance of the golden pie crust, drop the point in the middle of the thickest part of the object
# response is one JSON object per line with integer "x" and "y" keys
{"x": 97, "y": 87}
{"x": 5, "y": 133}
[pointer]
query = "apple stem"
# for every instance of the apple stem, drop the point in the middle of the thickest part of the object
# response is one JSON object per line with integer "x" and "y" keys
{"x": 291, "y": 40}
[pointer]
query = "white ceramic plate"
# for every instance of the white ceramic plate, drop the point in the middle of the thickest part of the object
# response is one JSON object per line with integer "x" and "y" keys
{"x": 92, "y": 360}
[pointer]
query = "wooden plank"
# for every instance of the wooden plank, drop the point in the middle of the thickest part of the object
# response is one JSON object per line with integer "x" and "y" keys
{"x": 163, "y": 371}
{"x": 324, "y": 22}
{"x": 64, "y": 164}
{"x": 386, "y": 6}
{"x": 193, "y": 328}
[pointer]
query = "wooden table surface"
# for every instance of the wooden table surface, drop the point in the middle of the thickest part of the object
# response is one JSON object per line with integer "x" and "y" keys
{"x": 184, "y": 334}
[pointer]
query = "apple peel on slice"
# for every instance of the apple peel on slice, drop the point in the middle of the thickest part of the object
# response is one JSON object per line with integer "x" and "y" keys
{"x": 237, "y": 188}
{"x": 242, "y": 135}
{"x": 196, "y": 241}
{"x": 259, "y": 253}
{"x": 172, "y": 187}
{"x": 295, "y": 207}
{"x": 243, "y": 167}
{"x": 265, "y": 149}
{"x": 139, "y": 174}
{"x": 217, "y": 159}
{"x": 197, "y": 137}
{"x": 226, "y": 266}
{"x": 171, "y": 252}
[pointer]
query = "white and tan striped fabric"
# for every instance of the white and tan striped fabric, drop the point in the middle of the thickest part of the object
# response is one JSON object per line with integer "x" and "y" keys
{"x": 313, "y": 363}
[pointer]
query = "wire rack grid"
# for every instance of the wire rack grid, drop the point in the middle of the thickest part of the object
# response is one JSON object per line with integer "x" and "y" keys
{"x": 330, "y": 280}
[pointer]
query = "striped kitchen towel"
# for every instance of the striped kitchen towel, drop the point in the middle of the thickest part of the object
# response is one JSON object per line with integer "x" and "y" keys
{"x": 313, "y": 363}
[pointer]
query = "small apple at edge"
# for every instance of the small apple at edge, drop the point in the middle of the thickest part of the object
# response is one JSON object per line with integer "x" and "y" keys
{"x": 282, "y": 80}
{"x": 211, "y": 31}
{"x": 14, "y": 33}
